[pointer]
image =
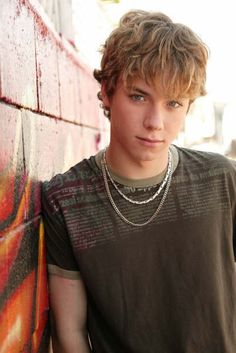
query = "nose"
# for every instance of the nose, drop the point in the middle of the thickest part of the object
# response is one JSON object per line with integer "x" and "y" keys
{"x": 154, "y": 119}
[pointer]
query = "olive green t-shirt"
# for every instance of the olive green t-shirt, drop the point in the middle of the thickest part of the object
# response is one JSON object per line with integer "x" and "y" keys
{"x": 167, "y": 287}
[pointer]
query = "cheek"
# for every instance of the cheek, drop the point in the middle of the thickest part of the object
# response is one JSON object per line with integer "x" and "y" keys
{"x": 121, "y": 115}
{"x": 175, "y": 124}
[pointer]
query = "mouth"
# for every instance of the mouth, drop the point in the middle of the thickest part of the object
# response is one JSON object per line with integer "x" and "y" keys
{"x": 150, "y": 141}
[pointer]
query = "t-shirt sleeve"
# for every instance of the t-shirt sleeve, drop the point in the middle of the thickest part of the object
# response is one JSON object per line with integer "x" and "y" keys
{"x": 234, "y": 239}
{"x": 234, "y": 205}
{"x": 234, "y": 232}
{"x": 59, "y": 253}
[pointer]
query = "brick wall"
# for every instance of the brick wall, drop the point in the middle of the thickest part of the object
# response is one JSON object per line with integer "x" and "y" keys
{"x": 49, "y": 120}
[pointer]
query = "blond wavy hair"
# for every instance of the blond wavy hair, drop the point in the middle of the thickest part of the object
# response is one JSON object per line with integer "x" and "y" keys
{"x": 150, "y": 46}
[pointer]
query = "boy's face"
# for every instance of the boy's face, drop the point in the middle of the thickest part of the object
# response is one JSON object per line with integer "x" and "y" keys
{"x": 143, "y": 122}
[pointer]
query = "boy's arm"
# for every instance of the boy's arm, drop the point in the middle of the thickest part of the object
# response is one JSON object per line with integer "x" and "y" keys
{"x": 68, "y": 305}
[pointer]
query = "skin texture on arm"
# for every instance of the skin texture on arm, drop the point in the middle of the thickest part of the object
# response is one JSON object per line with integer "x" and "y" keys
{"x": 68, "y": 307}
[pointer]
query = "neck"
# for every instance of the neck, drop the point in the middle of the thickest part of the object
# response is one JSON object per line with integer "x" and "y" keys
{"x": 126, "y": 167}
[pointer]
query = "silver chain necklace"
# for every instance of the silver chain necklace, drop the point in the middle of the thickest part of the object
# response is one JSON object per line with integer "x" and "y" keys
{"x": 117, "y": 209}
{"x": 151, "y": 198}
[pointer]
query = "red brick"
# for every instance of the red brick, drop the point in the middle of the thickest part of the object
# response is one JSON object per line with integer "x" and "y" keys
{"x": 41, "y": 145}
{"x": 47, "y": 71}
{"x": 12, "y": 178}
{"x": 89, "y": 103}
{"x": 69, "y": 97}
{"x": 82, "y": 86}
{"x": 91, "y": 141}
{"x": 17, "y": 54}
{"x": 73, "y": 145}
{"x": 51, "y": 146}
{"x": 95, "y": 102}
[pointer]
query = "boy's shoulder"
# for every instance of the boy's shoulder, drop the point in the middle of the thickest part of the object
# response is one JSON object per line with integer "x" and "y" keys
{"x": 197, "y": 164}
{"x": 206, "y": 159}
{"x": 80, "y": 173}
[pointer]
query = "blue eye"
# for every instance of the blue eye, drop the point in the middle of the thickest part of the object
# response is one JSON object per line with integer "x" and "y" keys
{"x": 174, "y": 104}
{"x": 137, "y": 97}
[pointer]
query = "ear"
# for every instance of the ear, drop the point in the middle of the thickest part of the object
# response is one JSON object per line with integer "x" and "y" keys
{"x": 105, "y": 98}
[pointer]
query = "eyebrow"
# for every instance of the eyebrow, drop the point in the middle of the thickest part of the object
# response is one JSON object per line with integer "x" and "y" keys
{"x": 139, "y": 90}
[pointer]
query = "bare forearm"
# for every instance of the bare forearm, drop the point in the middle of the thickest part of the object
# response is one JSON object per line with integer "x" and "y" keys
{"x": 68, "y": 315}
{"x": 72, "y": 343}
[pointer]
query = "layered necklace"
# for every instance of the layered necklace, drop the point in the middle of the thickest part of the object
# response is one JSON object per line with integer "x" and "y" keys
{"x": 164, "y": 185}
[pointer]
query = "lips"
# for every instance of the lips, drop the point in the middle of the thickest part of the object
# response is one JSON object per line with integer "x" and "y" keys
{"x": 150, "y": 140}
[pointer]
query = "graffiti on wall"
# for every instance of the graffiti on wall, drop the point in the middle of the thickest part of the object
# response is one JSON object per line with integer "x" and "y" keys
{"x": 45, "y": 127}
{"x": 32, "y": 148}
{"x": 23, "y": 287}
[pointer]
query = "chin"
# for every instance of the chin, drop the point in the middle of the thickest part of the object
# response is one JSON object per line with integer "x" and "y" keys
{"x": 148, "y": 157}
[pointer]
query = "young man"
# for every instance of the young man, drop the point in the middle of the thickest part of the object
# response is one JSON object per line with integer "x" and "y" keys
{"x": 141, "y": 237}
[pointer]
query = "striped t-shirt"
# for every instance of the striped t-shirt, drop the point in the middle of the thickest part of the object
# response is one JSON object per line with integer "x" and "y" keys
{"x": 167, "y": 287}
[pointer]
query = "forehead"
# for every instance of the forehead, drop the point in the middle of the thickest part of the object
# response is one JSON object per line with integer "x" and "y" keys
{"x": 154, "y": 87}
{"x": 141, "y": 85}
